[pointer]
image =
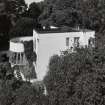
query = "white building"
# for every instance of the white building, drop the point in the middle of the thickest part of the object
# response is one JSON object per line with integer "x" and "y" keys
{"x": 50, "y": 42}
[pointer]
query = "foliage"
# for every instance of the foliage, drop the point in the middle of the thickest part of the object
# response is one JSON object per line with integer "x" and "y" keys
{"x": 13, "y": 9}
{"x": 30, "y": 54}
{"x": 5, "y": 71}
{"x": 17, "y": 7}
{"x": 34, "y": 10}
{"x": 16, "y": 92}
{"x": 27, "y": 95}
{"x": 65, "y": 9}
{"x": 10, "y": 11}
{"x": 77, "y": 78}
{"x": 83, "y": 13}
{"x": 41, "y": 5}
{"x": 24, "y": 27}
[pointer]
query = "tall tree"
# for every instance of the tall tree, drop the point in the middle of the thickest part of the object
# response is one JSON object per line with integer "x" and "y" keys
{"x": 34, "y": 10}
{"x": 59, "y": 12}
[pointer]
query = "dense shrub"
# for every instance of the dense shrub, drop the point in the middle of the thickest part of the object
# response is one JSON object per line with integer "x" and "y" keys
{"x": 77, "y": 78}
{"x": 17, "y": 92}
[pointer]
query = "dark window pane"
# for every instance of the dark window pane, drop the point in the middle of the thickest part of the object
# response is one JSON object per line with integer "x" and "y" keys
{"x": 67, "y": 41}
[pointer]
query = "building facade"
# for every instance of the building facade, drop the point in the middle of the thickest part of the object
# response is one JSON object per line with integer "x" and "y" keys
{"x": 48, "y": 43}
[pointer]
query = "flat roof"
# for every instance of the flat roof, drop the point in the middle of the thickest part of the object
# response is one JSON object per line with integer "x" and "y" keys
{"x": 62, "y": 30}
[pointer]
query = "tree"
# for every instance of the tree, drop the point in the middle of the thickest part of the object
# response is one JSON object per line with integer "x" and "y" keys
{"x": 13, "y": 8}
{"x": 27, "y": 97}
{"x": 17, "y": 7}
{"x": 24, "y": 27}
{"x": 34, "y": 10}
{"x": 41, "y": 5}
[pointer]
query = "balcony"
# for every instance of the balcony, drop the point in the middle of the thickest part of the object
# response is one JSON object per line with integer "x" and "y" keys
{"x": 17, "y": 51}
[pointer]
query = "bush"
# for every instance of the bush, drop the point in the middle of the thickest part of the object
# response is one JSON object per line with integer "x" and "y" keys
{"x": 17, "y": 92}
{"x": 77, "y": 78}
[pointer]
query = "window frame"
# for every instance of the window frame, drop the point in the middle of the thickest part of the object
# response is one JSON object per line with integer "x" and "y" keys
{"x": 67, "y": 41}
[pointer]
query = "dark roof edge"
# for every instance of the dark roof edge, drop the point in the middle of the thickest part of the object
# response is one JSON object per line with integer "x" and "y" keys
{"x": 59, "y": 30}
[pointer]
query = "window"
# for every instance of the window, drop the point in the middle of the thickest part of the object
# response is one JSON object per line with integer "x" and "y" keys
{"x": 67, "y": 41}
{"x": 91, "y": 42}
{"x": 76, "y": 41}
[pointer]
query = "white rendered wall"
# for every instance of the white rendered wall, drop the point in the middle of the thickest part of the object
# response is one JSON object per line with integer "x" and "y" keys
{"x": 53, "y": 43}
